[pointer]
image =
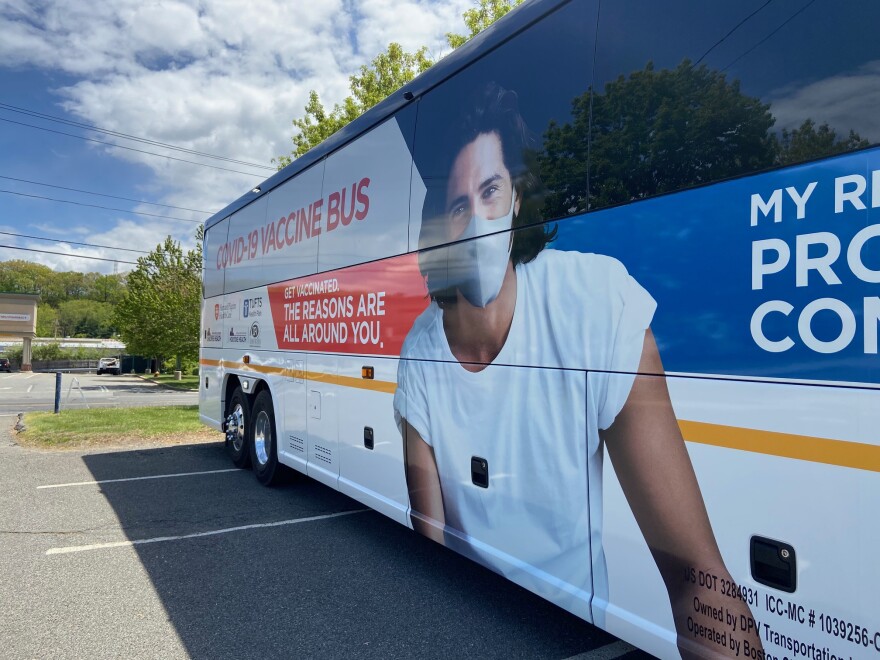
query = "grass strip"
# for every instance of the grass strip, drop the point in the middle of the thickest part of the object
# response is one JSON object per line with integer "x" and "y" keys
{"x": 187, "y": 382}
{"x": 105, "y": 426}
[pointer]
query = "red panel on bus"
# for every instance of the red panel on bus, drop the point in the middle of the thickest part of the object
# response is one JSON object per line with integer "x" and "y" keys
{"x": 363, "y": 309}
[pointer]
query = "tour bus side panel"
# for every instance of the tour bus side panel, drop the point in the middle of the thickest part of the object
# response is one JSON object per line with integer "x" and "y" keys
{"x": 366, "y": 185}
{"x": 508, "y": 438}
{"x": 211, "y": 339}
{"x": 781, "y": 516}
{"x": 750, "y": 315}
{"x": 243, "y": 264}
{"x": 294, "y": 219}
{"x": 757, "y": 278}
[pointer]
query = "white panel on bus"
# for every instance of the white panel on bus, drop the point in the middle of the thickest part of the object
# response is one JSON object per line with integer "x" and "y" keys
{"x": 790, "y": 463}
{"x": 370, "y": 444}
{"x": 289, "y": 238}
{"x": 293, "y": 443}
{"x": 212, "y": 278}
{"x": 322, "y": 419}
{"x": 210, "y": 355}
{"x": 366, "y": 200}
{"x": 242, "y": 256}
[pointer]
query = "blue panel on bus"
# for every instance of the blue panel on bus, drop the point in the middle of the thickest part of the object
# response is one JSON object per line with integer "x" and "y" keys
{"x": 774, "y": 275}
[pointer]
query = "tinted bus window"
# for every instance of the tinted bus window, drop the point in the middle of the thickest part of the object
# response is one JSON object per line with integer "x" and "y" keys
{"x": 366, "y": 196}
{"x": 519, "y": 92}
{"x": 688, "y": 92}
{"x": 212, "y": 273}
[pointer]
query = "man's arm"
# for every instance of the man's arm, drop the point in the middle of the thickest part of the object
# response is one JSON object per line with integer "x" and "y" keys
{"x": 423, "y": 482}
{"x": 655, "y": 472}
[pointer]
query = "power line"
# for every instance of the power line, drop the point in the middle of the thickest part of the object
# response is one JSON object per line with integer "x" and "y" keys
{"x": 119, "y": 146}
{"x": 784, "y": 23}
{"x": 96, "y": 206}
{"x": 732, "y": 30}
{"x": 127, "y": 136}
{"x": 67, "y": 254}
{"x": 58, "y": 240}
{"x": 89, "y": 192}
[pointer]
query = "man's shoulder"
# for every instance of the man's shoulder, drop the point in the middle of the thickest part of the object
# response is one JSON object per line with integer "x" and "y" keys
{"x": 571, "y": 273}
{"x": 422, "y": 340}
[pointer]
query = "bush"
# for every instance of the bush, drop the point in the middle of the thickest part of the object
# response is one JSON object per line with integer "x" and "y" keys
{"x": 187, "y": 366}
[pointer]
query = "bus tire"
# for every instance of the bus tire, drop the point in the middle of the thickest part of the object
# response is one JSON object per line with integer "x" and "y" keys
{"x": 238, "y": 422}
{"x": 264, "y": 441}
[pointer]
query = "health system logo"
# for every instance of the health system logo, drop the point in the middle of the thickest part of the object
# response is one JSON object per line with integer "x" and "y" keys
{"x": 252, "y": 307}
{"x": 254, "y": 334}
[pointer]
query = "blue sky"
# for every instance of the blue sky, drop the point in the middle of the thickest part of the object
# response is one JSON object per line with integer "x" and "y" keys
{"x": 216, "y": 76}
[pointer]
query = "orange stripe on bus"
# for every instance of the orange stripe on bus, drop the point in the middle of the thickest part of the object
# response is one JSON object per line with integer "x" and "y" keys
{"x": 314, "y": 376}
{"x": 842, "y": 453}
{"x": 786, "y": 445}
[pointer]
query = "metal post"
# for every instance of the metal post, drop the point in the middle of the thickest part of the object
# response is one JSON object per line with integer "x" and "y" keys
{"x": 57, "y": 392}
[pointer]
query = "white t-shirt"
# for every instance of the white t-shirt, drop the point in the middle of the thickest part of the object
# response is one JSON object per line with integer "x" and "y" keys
{"x": 535, "y": 424}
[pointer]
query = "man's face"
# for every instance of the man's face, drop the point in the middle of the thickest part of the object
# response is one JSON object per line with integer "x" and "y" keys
{"x": 479, "y": 184}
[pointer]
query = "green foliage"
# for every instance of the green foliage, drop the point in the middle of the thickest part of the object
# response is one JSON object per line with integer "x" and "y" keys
{"x": 187, "y": 366}
{"x": 86, "y": 318}
{"x": 50, "y": 352}
{"x": 159, "y": 315}
{"x": 479, "y": 18}
{"x": 653, "y": 132}
{"x": 388, "y": 72}
{"x": 808, "y": 142}
{"x": 17, "y": 276}
{"x": 47, "y": 320}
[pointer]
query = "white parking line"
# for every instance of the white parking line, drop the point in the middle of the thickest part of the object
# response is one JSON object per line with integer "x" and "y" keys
{"x": 607, "y": 652}
{"x": 154, "y": 476}
{"x": 31, "y": 376}
{"x": 159, "y": 539}
{"x": 30, "y": 387}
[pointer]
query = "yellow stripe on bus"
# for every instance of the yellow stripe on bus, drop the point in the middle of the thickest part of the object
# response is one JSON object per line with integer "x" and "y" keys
{"x": 314, "y": 376}
{"x": 772, "y": 443}
{"x": 786, "y": 445}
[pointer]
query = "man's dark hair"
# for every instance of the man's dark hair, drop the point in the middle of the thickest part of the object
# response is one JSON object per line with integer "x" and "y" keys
{"x": 492, "y": 109}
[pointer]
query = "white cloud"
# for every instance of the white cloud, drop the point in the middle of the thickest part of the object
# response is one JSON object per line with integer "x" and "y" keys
{"x": 846, "y": 102}
{"x": 217, "y": 76}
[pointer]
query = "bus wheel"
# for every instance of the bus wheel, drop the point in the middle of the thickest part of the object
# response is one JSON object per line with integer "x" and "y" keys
{"x": 264, "y": 451}
{"x": 237, "y": 431}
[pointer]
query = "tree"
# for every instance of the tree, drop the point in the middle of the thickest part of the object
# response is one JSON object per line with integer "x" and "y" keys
{"x": 85, "y": 318}
{"x": 479, "y": 18}
{"x": 160, "y": 313}
{"x": 47, "y": 320}
{"x": 808, "y": 142}
{"x": 107, "y": 288}
{"x": 654, "y": 132}
{"x": 389, "y": 71}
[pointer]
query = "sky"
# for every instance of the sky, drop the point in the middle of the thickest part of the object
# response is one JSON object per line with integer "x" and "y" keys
{"x": 221, "y": 77}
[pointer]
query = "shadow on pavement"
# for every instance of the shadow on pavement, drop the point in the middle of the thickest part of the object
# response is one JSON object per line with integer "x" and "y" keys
{"x": 354, "y": 586}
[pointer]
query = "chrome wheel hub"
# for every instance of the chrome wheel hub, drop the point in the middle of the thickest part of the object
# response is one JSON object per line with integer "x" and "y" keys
{"x": 262, "y": 437}
{"x": 235, "y": 428}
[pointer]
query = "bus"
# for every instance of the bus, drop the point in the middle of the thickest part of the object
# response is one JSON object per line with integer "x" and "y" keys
{"x": 594, "y": 302}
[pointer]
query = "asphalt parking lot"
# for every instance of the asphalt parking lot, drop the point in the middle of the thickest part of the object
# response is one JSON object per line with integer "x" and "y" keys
{"x": 169, "y": 552}
{"x": 24, "y": 392}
